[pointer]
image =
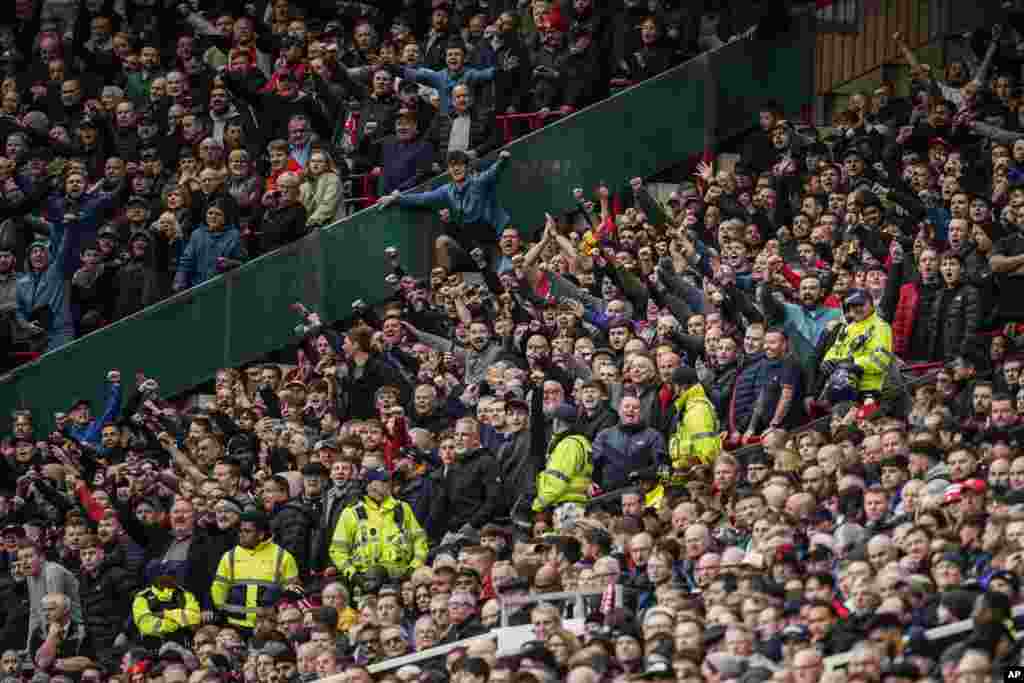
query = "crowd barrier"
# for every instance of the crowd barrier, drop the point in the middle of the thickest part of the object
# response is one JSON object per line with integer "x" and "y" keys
{"x": 508, "y": 637}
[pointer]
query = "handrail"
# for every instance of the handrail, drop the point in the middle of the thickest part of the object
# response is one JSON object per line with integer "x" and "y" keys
{"x": 436, "y": 651}
{"x": 937, "y": 633}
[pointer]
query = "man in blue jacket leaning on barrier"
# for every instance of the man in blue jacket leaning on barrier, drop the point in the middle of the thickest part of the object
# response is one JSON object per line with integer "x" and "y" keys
{"x": 474, "y": 216}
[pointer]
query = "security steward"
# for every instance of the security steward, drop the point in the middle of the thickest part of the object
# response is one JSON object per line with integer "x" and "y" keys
{"x": 378, "y": 531}
{"x": 164, "y": 611}
{"x": 566, "y": 479}
{"x": 864, "y": 345}
{"x": 253, "y": 574}
{"x": 696, "y": 437}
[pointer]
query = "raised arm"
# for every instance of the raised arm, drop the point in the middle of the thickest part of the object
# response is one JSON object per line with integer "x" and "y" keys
{"x": 180, "y": 459}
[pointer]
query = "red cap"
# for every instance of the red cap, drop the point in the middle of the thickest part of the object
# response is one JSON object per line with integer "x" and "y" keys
{"x": 867, "y": 410}
{"x": 940, "y": 142}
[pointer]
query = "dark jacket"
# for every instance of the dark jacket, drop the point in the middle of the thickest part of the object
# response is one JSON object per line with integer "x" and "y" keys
{"x": 522, "y": 457}
{"x": 719, "y": 389}
{"x": 603, "y": 418}
{"x": 292, "y": 525}
{"x": 519, "y": 464}
{"x": 585, "y": 80}
{"x": 404, "y": 165}
{"x": 93, "y": 296}
{"x": 955, "y": 323}
{"x": 105, "y": 601}
{"x": 360, "y": 391}
{"x": 619, "y": 451}
{"x": 467, "y": 492}
{"x": 467, "y": 629}
{"x": 142, "y": 282}
{"x": 280, "y": 227}
{"x": 744, "y": 394}
{"x": 382, "y": 111}
{"x": 336, "y": 499}
{"x": 482, "y": 133}
{"x": 204, "y": 552}
{"x": 14, "y": 616}
{"x": 275, "y": 111}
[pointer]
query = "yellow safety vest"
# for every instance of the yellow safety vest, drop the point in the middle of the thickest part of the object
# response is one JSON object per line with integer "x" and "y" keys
{"x": 697, "y": 439}
{"x": 869, "y": 343}
{"x": 247, "y": 579}
{"x": 386, "y": 535}
{"x": 568, "y": 476}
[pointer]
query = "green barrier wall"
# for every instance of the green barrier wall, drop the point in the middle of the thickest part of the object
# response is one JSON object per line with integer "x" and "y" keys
{"x": 245, "y": 314}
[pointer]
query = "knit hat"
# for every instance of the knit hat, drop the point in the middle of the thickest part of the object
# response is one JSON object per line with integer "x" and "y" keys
{"x": 255, "y": 516}
{"x": 684, "y": 376}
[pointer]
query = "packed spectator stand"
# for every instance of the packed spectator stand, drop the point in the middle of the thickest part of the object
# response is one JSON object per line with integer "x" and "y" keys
{"x": 766, "y": 429}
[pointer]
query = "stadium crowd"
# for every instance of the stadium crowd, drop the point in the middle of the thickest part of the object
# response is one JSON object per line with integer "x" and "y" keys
{"x": 150, "y": 146}
{"x": 772, "y": 421}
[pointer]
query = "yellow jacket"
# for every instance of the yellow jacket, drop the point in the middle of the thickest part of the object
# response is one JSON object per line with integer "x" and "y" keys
{"x": 160, "y": 612}
{"x": 568, "y": 475}
{"x": 696, "y": 439}
{"x": 868, "y": 343}
{"x": 386, "y": 535}
{"x": 247, "y": 579}
{"x": 655, "y": 497}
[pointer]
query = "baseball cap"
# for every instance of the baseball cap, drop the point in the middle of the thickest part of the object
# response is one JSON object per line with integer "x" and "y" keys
{"x": 856, "y": 297}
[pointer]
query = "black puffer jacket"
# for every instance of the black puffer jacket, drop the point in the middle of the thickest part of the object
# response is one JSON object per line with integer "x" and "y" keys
{"x": 106, "y": 602}
{"x": 719, "y": 389}
{"x": 293, "y": 526}
{"x": 955, "y": 322}
{"x": 468, "y": 493}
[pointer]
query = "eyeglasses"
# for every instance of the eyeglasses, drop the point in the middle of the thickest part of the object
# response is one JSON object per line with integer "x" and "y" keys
{"x": 393, "y": 642}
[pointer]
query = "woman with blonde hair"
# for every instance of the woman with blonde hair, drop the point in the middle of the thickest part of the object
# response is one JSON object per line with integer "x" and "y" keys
{"x": 321, "y": 190}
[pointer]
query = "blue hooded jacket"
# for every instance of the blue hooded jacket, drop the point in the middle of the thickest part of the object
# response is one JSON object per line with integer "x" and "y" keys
{"x": 198, "y": 263}
{"x": 35, "y": 289}
{"x": 475, "y": 202}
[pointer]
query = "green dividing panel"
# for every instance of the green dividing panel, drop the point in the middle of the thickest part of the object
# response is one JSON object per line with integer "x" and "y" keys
{"x": 245, "y": 314}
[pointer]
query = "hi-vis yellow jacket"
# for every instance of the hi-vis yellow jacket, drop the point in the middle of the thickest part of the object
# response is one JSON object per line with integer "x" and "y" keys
{"x": 696, "y": 439}
{"x": 386, "y": 535}
{"x": 869, "y": 343}
{"x": 568, "y": 476}
{"x": 247, "y": 579}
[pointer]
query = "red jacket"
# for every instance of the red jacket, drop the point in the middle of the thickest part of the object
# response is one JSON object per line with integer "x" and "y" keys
{"x": 903, "y": 320}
